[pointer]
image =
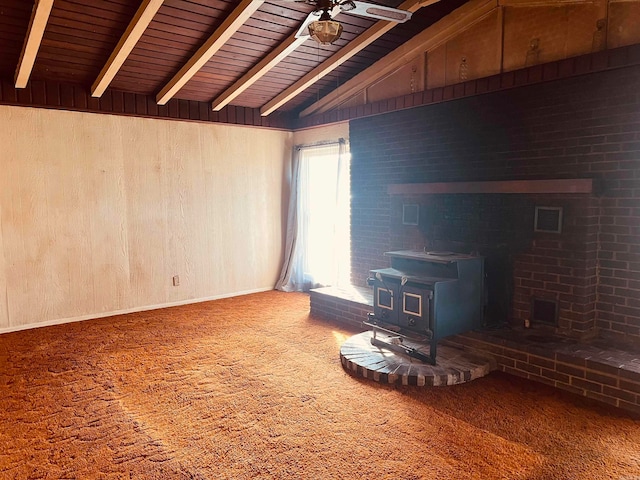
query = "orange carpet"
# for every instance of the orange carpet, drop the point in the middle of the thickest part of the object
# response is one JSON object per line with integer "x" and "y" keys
{"x": 252, "y": 388}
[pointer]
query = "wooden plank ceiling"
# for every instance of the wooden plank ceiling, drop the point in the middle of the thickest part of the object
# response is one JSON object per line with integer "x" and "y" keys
{"x": 80, "y": 36}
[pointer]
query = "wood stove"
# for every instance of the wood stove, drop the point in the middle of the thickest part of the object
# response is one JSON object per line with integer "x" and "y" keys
{"x": 426, "y": 295}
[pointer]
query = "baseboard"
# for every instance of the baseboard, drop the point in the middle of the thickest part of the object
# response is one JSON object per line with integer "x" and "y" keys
{"x": 113, "y": 313}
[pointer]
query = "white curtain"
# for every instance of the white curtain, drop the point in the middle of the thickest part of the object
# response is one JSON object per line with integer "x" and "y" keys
{"x": 317, "y": 248}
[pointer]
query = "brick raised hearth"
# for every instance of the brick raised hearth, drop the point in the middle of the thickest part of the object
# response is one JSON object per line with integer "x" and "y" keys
{"x": 348, "y": 306}
{"x": 596, "y": 369}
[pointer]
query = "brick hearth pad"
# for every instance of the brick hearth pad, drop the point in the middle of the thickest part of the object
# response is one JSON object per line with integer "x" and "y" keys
{"x": 453, "y": 365}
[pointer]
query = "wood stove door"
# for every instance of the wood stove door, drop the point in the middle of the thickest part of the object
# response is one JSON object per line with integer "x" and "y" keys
{"x": 414, "y": 308}
{"x": 385, "y": 301}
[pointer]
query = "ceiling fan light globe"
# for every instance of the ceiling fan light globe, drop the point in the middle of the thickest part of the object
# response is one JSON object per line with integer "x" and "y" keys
{"x": 325, "y": 32}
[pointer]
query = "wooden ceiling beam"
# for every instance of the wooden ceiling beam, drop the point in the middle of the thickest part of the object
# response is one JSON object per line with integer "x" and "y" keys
{"x": 459, "y": 20}
{"x": 257, "y": 71}
{"x": 352, "y": 48}
{"x": 37, "y": 24}
{"x": 137, "y": 26}
{"x": 266, "y": 64}
{"x": 230, "y": 26}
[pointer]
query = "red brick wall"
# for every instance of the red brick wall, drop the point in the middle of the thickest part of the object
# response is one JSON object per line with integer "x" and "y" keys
{"x": 586, "y": 126}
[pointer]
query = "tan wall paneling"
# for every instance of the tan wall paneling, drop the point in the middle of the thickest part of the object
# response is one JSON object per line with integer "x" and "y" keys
{"x": 99, "y": 212}
{"x": 359, "y": 98}
{"x": 4, "y": 313}
{"x": 558, "y": 32}
{"x": 407, "y": 79}
{"x": 624, "y": 24}
{"x": 436, "y": 66}
{"x": 480, "y": 46}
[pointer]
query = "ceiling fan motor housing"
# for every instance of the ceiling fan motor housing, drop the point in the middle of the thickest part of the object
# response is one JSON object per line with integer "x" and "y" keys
{"x": 326, "y": 31}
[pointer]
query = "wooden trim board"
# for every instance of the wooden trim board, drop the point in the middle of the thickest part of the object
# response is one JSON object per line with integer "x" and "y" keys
{"x": 95, "y": 316}
{"x": 572, "y": 185}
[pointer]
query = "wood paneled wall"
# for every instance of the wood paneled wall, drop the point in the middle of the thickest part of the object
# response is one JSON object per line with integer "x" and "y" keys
{"x": 480, "y": 40}
{"x": 570, "y": 67}
{"x": 99, "y": 212}
{"x": 322, "y": 133}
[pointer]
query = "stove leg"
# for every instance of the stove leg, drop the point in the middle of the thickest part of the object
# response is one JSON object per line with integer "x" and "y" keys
{"x": 432, "y": 350}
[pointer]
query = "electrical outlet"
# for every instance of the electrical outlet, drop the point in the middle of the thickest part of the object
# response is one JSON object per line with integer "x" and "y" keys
{"x": 176, "y": 280}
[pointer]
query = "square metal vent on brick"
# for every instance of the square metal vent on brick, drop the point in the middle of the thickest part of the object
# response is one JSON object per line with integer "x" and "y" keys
{"x": 548, "y": 219}
{"x": 544, "y": 311}
{"x": 410, "y": 214}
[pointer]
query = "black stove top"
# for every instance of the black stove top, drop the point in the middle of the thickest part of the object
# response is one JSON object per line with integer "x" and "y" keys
{"x": 411, "y": 277}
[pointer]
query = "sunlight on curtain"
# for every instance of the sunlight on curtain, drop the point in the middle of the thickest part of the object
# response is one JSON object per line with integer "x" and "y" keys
{"x": 318, "y": 245}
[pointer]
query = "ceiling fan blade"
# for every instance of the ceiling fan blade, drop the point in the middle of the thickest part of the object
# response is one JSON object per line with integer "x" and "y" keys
{"x": 379, "y": 11}
{"x": 303, "y": 31}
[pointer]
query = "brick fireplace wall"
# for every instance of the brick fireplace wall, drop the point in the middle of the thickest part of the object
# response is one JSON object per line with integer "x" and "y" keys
{"x": 562, "y": 268}
{"x": 586, "y": 126}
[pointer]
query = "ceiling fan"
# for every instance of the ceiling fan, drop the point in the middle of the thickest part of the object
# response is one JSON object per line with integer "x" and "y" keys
{"x": 325, "y": 30}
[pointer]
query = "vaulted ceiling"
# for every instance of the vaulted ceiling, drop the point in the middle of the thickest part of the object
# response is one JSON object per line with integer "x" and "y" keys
{"x": 241, "y": 53}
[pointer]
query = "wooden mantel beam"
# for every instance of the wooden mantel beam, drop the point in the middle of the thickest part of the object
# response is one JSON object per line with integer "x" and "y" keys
{"x": 37, "y": 24}
{"x": 552, "y": 186}
{"x": 352, "y": 48}
{"x": 137, "y": 26}
{"x": 231, "y": 24}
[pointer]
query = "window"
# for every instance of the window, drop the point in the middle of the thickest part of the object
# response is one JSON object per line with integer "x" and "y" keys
{"x": 318, "y": 238}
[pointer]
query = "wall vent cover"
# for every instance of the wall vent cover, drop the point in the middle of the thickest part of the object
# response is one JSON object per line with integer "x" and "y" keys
{"x": 548, "y": 219}
{"x": 410, "y": 214}
{"x": 544, "y": 311}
